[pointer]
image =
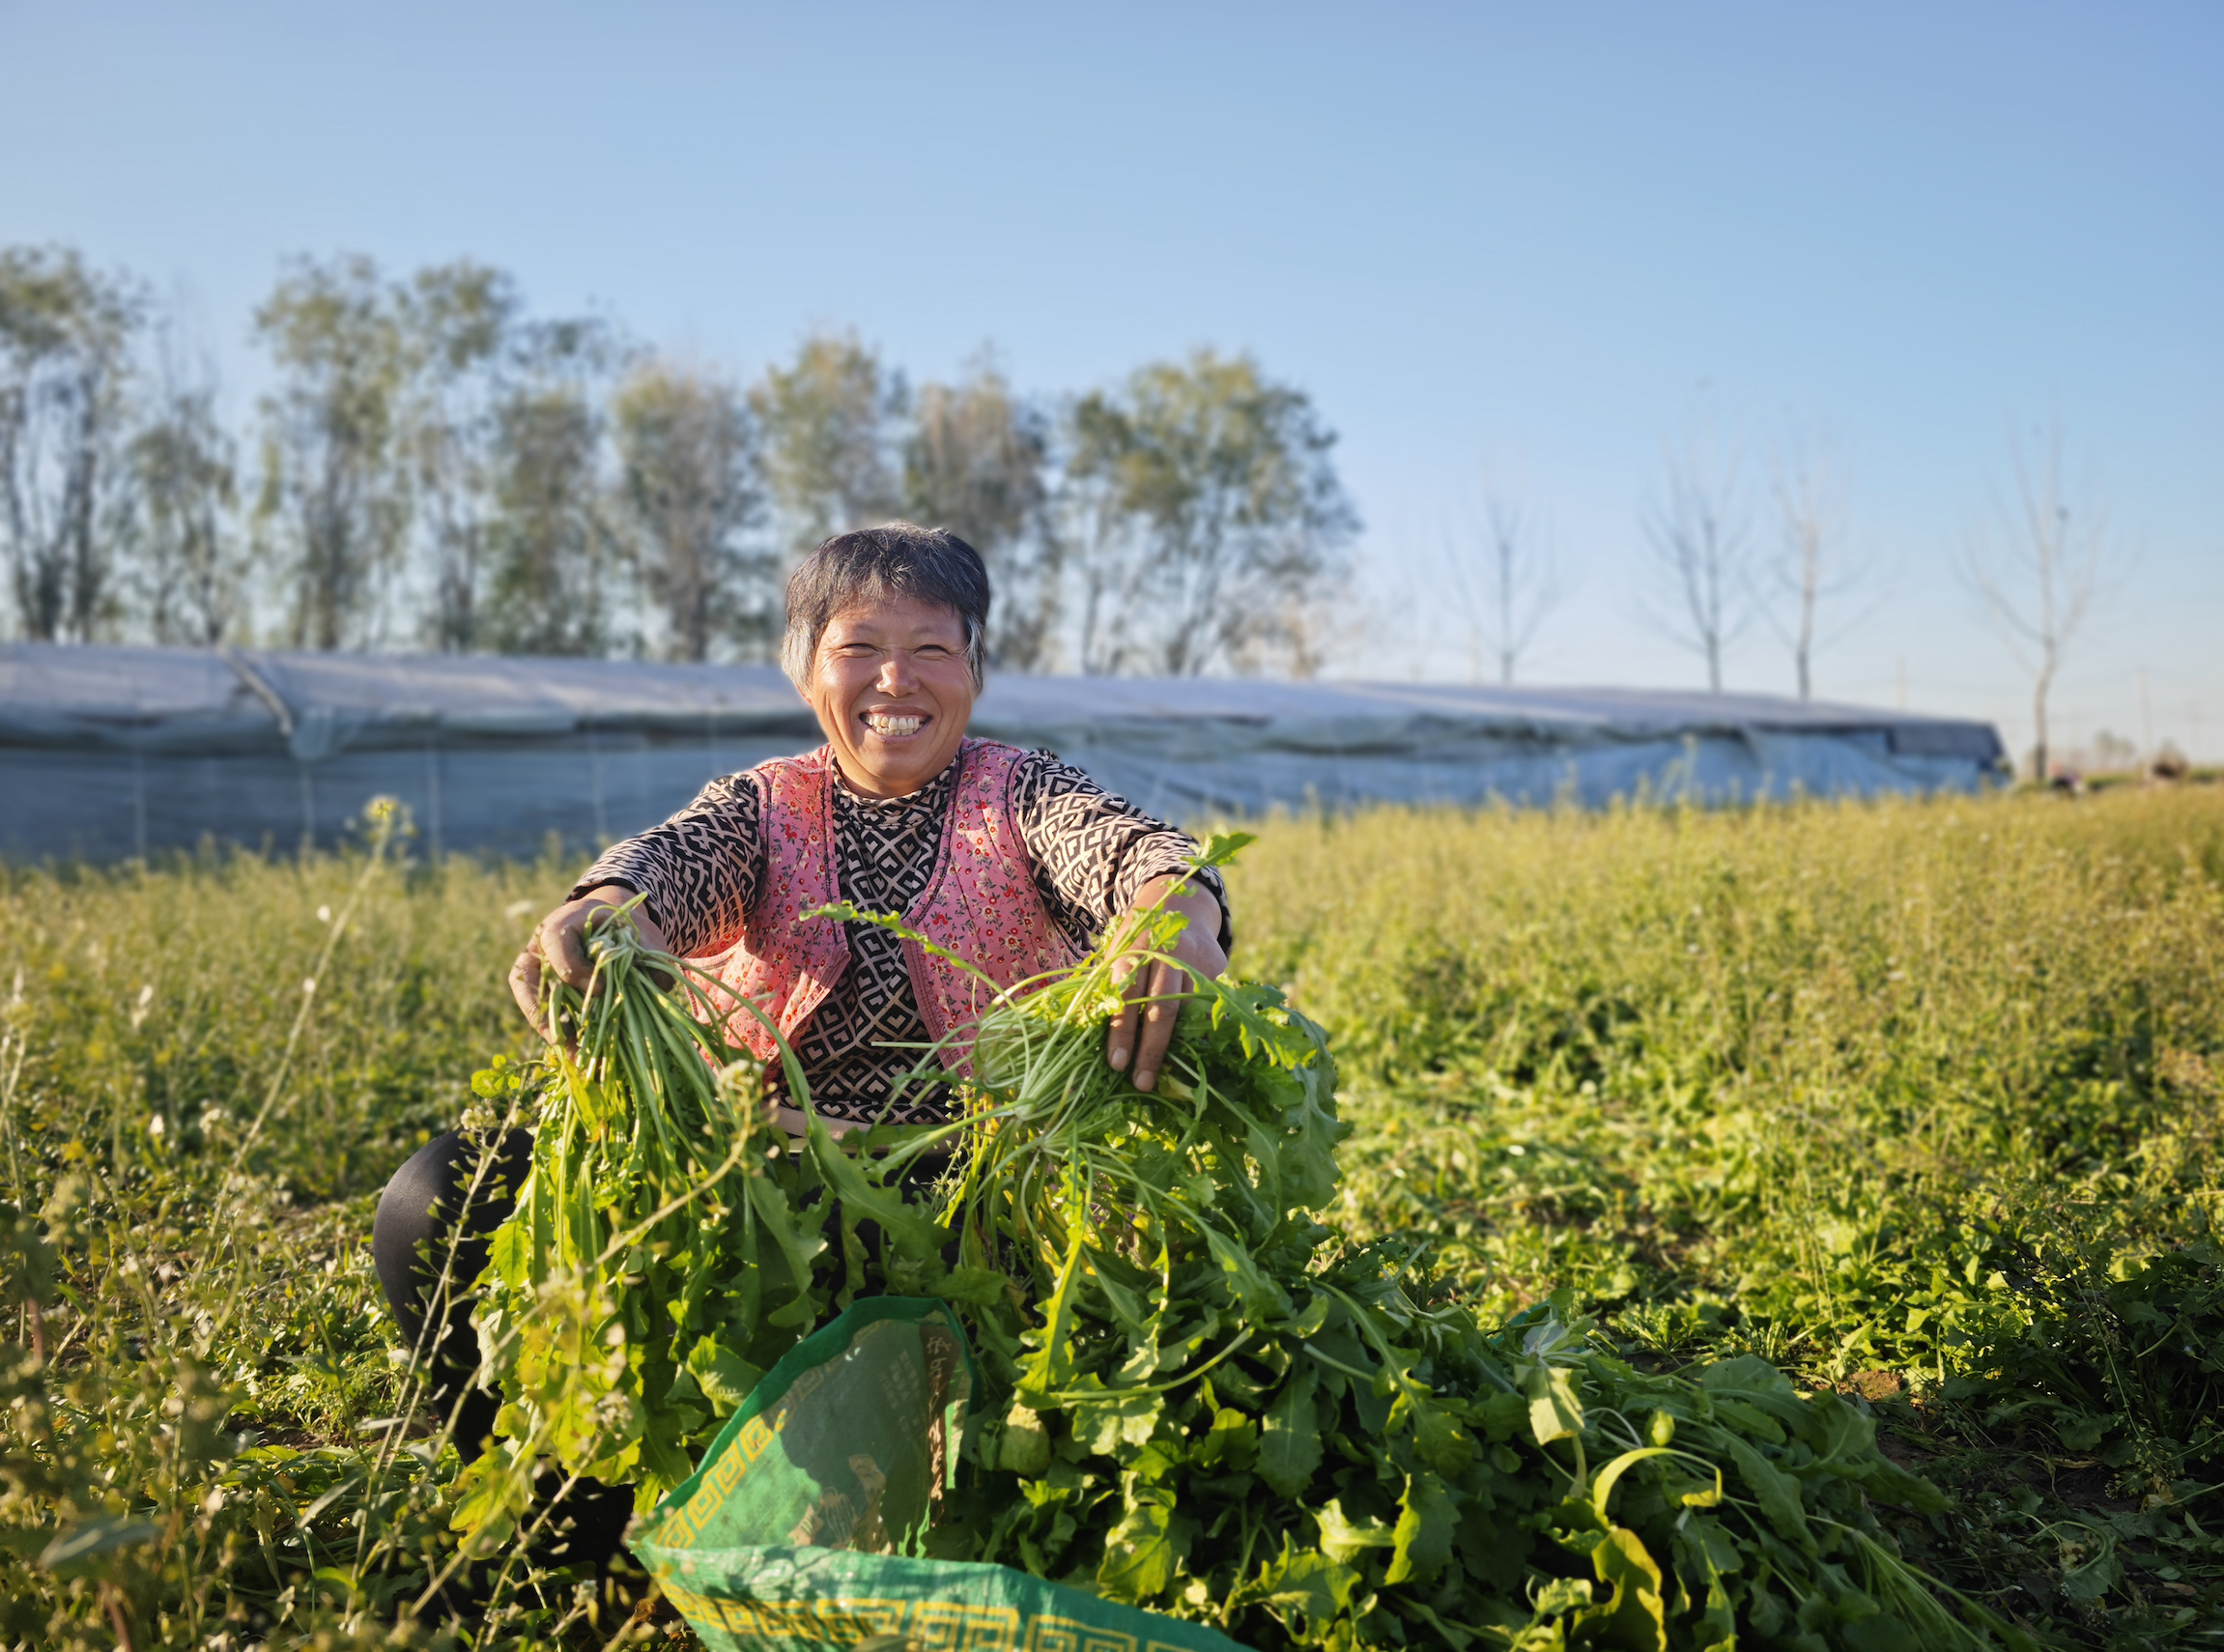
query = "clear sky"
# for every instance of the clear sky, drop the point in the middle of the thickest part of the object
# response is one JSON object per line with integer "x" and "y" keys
{"x": 1517, "y": 243}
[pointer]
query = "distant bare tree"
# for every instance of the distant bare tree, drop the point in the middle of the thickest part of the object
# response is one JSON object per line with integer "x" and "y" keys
{"x": 975, "y": 463}
{"x": 1505, "y": 586}
{"x": 65, "y": 332}
{"x": 1813, "y": 565}
{"x": 2039, "y": 580}
{"x": 1698, "y": 534}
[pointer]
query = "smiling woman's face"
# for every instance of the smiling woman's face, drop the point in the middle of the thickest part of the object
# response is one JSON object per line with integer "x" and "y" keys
{"x": 894, "y": 693}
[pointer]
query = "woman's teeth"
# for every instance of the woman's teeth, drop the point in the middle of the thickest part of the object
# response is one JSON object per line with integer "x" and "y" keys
{"x": 887, "y": 727}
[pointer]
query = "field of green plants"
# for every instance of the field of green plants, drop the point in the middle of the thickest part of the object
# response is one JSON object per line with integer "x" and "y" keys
{"x": 1919, "y": 1101}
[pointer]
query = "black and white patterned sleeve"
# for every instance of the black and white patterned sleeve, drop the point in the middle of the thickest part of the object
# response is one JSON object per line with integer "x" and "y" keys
{"x": 700, "y": 869}
{"x": 1093, "y": 849}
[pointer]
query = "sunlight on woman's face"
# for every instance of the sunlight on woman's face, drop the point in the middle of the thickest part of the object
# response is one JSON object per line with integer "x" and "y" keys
{"x": 893, "y": 691}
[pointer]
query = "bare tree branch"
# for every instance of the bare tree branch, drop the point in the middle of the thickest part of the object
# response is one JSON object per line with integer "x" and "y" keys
{"x": 1813, "y": 565}
{"x": 1698, "y": 534}
{"x": 2039, "y": 579}
{"x": 1506, "y": 583}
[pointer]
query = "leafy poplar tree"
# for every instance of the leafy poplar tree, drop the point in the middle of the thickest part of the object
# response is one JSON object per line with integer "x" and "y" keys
{"x": 65, "y": 337}
{"x": 689, "y": 494}
{"x": 178, "y": 520}
{"x": 335, "y": 497}
{"x": 1209, "y": 520}
{"x": 829, "y": 423}
{"x": 976, "y": 462}
{"x": 552, "y": 556}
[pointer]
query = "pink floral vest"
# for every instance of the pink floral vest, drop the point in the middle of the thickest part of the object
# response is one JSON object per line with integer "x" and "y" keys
{"x": 981, "y": 903}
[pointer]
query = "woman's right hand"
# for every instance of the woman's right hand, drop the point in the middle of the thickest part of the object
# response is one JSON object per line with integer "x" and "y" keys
{"x": 559, "y": 943}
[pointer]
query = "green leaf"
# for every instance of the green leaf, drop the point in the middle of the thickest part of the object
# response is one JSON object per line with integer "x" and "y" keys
{"x": 1221, "y": 848}
{"x": 1555, "y": 1403}
{"x": 1290, "y": 1449}
{"x": 1776, "y": 1493}
{"x": 1426, "y": 1518}
{"x": 1889, "y": 1483}
{"x": 1300, "y": 1581}
{"x": 2096, "y": 1576}
{"x": 1840, "y": 1438}
{"x": 27, "y": 1258}
{"x": 1309, "y": 1320}
{"x": 1757, "y": 1378}
{"x": 1025, "y": 1445}
{"x": 1499, "y": 1415}
{"x": 1140, "y": 1554}
{"x": 511, "y": 1253}
{"x": 75, "y": 1553}
{"x": 1444, "y": 1444}
{"x": 1563, "y": 1594}
{"x": 1602, "y": 1487}
{"x": 722, "y": 1375}
{"x": 1492, "y": 1552}
{"x": 1344, "y": 1539}
{"x": 2083, "y": 1431}
{"x": 862, "y": 1199}
{"x": 1708, "y": 1553}
{"x": 1051, "y": 1366}
{"x": 1104, "y": 1419}
{"x": 1634, "y": 1619}
{"x": 1752, "y": 1419}
{"x": 974, "y": 1286}
{"x": 1231, "y": 1444}
{"x": 1883, "y": 1633}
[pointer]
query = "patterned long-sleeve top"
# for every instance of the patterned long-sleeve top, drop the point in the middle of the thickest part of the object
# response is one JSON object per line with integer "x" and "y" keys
{"x": 700, "y": 873}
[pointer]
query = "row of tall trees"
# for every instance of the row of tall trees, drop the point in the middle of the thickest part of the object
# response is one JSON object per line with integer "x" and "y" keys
{"x": 434, "y": 465}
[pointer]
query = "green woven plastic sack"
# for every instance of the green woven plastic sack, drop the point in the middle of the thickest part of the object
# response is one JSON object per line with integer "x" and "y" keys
{"x": 803, "y": 1527}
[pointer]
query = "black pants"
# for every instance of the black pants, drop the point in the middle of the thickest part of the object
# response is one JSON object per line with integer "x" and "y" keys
{"x": 435, "y": 1216}
{"x": 432, "y": 1206}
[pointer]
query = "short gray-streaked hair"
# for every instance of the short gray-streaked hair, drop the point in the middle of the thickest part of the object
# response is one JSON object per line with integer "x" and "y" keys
{"x": 874, "y": 564}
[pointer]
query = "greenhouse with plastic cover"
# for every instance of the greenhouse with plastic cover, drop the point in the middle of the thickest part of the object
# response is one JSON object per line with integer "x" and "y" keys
{"x": 108, "y": 752}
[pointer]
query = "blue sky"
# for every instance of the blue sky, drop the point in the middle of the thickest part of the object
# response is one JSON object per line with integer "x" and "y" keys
{"x": 1523, "y": 243}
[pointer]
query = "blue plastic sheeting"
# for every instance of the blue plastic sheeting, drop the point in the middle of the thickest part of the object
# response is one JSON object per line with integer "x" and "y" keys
{"x": 109, "y": 752}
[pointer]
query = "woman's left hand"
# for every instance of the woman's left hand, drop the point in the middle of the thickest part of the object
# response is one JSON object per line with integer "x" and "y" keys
{"x": 1151, "y": 989}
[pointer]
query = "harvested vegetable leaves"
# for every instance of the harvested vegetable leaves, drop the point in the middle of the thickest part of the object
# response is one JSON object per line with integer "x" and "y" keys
{"x": 670, "y": 1242}
{"x": 1201, "y": 1399}
{"x": 1215, "y": 1408}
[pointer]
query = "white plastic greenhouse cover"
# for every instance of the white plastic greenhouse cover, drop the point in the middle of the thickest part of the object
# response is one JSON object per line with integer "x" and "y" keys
{"x": 111, "y": 752}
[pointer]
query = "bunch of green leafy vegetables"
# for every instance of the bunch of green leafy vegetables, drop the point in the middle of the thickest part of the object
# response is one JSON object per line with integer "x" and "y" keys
{"x": 1214, "y": 1407}
{"x": 670, "y": 1242}
{"x": 1207, "y": 1403}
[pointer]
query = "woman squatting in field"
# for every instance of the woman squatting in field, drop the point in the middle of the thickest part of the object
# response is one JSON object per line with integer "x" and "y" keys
{"x": 1011, "y": 859}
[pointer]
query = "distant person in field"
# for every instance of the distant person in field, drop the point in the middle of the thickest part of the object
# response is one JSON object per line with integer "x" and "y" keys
{"x": 1012, "y": 859}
